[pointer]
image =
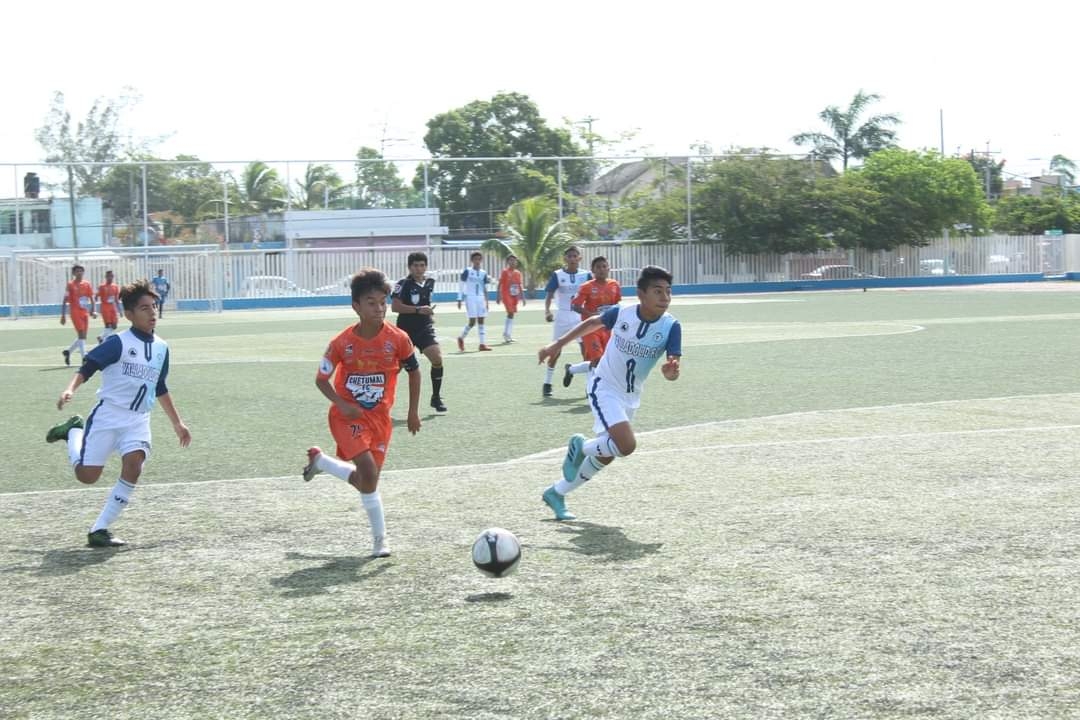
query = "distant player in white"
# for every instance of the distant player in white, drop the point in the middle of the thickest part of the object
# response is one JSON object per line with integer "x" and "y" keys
{"x": 562, "y": 287}
{"x": 134, "y": 366}
{"x": 473, "y": 291}
{"x": 641, "y": 335}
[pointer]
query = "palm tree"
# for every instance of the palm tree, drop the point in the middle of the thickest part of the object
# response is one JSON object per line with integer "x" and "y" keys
{"x": 536, "y": 235}
{"x": 1061, "y": 165}
{"x": 851, "y": 141}
{"x": 260, "y": 190}
{"x": 320, "y": 185}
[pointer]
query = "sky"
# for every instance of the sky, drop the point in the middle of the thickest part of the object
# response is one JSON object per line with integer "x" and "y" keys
{"x": 290, "y": 81}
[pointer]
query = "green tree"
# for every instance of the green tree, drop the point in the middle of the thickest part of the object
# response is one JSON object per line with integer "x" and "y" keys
{"x": 509, "y": 125}
{"x": 98, "y": 138}
{"x": 378, "y": 184}
{"x": 535, "y": 234}
{"x": 850, "y": 139}
{"x": 1065, "y": 167}
{"x": 260, "y": 190}
{"x": 987, "y": 169}
{"x": 1034, "y": 214}
{"x": 320, "y": 186}
{"x": 918, "y": 195}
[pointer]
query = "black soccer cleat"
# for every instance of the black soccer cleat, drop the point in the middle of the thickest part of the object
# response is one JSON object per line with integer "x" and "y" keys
{"x": 437, "y": 403}
{"x": 67, "y": 356}
{"x": 547, "y": 390}
{"x": 103, "y": 539}
{"x": 568, "y": 377}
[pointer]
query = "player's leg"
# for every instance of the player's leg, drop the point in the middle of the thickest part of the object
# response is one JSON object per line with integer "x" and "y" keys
{"x": 481, "y": 313}
{"x": 434, "y": 354}
{"x": 119, "y": 498}
{"x": 508, "y": 325}
{"x": 468, "y": 326}
{"x": 366, "y": 480}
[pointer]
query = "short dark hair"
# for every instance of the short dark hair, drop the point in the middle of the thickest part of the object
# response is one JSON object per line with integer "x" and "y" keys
{"x": 511, "y": 255}
{"x": 572, "y": 248}
{"x": 475, "y": 253}
{"x": 131, "y": 294}
{"x": 417, "y": 257}
{"x": 650, "y": 274}
{"x": 366, "y": 281}
{"x": 597, "y": 259}
{"x": 77, "y": 267}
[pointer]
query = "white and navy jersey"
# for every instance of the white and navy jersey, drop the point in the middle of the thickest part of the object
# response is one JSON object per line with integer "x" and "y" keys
{"x": 473, "y": 283}
{"x": 634, "y": 349}
{"x": 565, "y": 285}
{"x": 133, "y": 368}
{"x": 161, "y": 285}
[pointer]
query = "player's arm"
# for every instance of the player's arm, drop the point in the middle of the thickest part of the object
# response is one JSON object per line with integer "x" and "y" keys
{"x": 63, "y": 308}
{"x": 93, "y": 310}
{"x": 462, "y": 286}
{"x": 578, "y": 303}
{"x": 670, "y": 369}
{"x": 322, "y": 381}
{"x": 411, "y": 364}
{"x": 582, "y": 328}
{"x": 99, "y": 358}
{"x": 552, "y": 286}
{"x": 163, "y": 396}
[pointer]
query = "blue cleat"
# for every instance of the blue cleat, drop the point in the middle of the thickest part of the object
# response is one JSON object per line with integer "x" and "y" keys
{"x": 574, "y": 457}
{"x": 557, "y": 502}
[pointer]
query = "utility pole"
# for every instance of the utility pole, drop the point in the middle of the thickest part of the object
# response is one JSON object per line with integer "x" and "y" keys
{"x": 589, "y": 139}
{"x": 986, "y": 166}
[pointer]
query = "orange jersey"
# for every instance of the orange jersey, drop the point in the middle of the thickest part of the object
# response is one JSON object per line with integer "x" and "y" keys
{"x": 510, "y": 284}
{"x": 366, "y": 370}
{"x": 79, "y": 296}
{"x": 594, "y": 297}
{"x": 108, "y": 295}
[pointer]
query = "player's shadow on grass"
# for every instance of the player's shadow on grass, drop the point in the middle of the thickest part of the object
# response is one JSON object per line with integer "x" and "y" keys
{"x": 607, "y": 544}
{"x": 578, "y": 400}
{"x": 57, "y": 563}
{"x": 69, "y": 368}
{"x": 334, "y": 571}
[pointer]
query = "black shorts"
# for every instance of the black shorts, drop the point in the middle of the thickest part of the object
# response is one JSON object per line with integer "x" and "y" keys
{"x": 423, "y": 338}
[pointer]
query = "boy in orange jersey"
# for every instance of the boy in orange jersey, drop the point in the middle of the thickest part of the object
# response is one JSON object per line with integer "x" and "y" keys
{"x": 593, "y": 298}
{"x": 79, "y": 294}
{"x": 358, "y": 375}
{"x": 510, "y": 294}
{"x": 108, "y": 296}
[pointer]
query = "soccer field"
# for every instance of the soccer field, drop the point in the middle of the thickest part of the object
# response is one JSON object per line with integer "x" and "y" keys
{"x": 850, "y": 505}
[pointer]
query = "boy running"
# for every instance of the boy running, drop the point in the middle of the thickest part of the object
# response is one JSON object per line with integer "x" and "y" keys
{"x": 79, "y": 295}
{"x": 594, "y": 297}
{"x": 510, "y": 293}
{"x": 134, "y": 366}
{"x": 108, "y": 295}
{"x": 358, "y": 375}
{"x": 640, "y": 335}
{"x": 473, "y": 290}
{"x": 411, "y": 300}
{"x": 562, "y": 287}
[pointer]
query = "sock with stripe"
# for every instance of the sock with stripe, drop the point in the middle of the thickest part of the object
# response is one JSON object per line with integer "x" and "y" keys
{"x": 114, "y": 505}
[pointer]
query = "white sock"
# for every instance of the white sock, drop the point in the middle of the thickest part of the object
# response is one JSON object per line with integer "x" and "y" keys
{"x": 82, "y": 347}
{"x": 483, "y": 334}
{"x": 74, "y": 445}
{"x": 465, "y": 331}
{"x": 588, "y": 468}
{"x": 337, "y": 468}
{"x": 580, "y": 368}
{"x": 508, "y": 327}
{"x": 549, "y": 373}
{"x": 373, "y": 506}
{"x": 74, "y": 344}
{"x": 118, "y": 500}
{"x": 602, "y": 446}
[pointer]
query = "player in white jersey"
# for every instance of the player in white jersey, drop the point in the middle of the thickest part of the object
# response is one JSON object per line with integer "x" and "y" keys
{"x": 641, "y": 335}
{"x": 473, "y": 291}
{"x": 134, "y": 366}
{"x": 562, "y": 287}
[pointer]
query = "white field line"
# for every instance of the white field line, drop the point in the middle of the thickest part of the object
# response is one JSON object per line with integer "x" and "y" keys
{"x": 547, "y": 456}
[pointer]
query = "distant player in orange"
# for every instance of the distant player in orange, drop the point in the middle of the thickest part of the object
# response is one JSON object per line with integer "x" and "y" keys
{"x": 510, "y": 294}
{"x": 108, "y": 296}
{"x": 358, "y": 375}
{"x": 79, "y": 294}
{"x": 593, "y": 298}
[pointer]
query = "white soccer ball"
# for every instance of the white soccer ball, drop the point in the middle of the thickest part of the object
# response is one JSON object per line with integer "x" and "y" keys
{"x": 496, "y": 552}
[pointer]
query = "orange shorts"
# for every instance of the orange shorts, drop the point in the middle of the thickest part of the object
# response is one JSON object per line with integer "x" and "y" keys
{"x": 593, "y": 344}
{"x": 370, "y": 432}
{"x": 510, "y": 302}
{"x": 80, "y": 321}
{"x": 108, "y": 317}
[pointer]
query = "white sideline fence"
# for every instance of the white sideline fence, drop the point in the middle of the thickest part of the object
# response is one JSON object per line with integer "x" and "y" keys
{"x": 31, "y": 280}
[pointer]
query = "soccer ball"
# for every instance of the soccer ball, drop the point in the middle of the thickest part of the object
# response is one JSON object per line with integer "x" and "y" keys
{"x": 496, "y": 552}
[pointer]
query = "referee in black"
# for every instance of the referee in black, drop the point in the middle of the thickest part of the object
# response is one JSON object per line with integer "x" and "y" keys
{"x": 411, "y": 300}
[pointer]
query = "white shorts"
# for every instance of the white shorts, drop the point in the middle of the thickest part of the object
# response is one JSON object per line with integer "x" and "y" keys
{"x": 608, "y": 407}
{"x": 111, "y": 428}
{"x": 565, "y": 320}
{"x": 475, "y": 307}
